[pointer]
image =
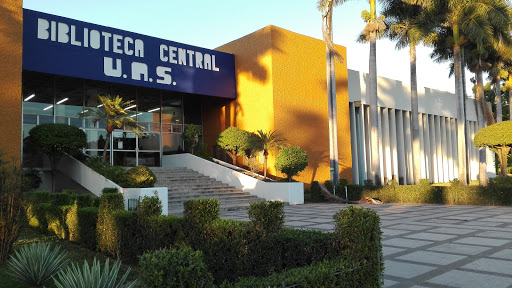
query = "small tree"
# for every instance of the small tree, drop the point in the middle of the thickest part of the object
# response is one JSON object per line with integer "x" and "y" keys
{"x": 12, "y": 188}
{"x": 191, "y": 137}
{"x": 266, "y": 142}
{"x": 55, "y": 140}
{"x": 291, "y": 161}
{"x": 234, "y": 140}
{"x": 498, "y": 138}
{"x": 113, "y": 114}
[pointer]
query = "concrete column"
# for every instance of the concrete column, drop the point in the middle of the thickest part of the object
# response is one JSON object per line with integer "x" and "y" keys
{"x": 393, "y": 144}
{"x": 439, "y": 149}
{"x": 433, "y": 149}
{"x": 353, "y": 144}
{"x": 386, "y": 145}
{"x": 400, "y": 147}
{"x": 423, "y": 173}
{"x": 449, "y": 144}
{"x": 366, "y": 134}
{"x": 381, "y": 143}
{"x": 428, "y": 162}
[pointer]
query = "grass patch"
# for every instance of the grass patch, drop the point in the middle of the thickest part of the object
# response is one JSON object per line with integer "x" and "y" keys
{"x": 75, "y": 253}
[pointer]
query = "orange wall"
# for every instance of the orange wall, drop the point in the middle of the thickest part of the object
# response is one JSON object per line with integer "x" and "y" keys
{"x": 281, "y": 85}
{"x": 11, "y": 31}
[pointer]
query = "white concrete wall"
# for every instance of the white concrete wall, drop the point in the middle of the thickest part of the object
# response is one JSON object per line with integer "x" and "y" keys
{"x": 292, "y": 193}
{"x": 438, "y": 133}
{"x": 94, "y": 182}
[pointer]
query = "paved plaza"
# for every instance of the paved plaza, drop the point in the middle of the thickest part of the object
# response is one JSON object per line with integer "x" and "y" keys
{"x": 428, "y": 245}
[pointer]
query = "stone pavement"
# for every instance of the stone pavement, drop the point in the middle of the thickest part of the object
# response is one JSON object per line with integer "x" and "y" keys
{"x": 428, "y": 245}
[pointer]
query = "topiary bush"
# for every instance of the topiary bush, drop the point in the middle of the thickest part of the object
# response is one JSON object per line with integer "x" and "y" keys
{"x": 138, "y": 177}
{"x": 190, "y": 137}
{"x": 147, "y": 207}
{"x": 291, "y": 161}
{"x": 268, "y": 216}
{"x": 174, "y": 268}
{"x": 199, "y": 212}
{"x": 86, "y": 231}
{"x": 106, "y": 231}
{"x": 316, "y": 192}
{"x": 358, "y": 234}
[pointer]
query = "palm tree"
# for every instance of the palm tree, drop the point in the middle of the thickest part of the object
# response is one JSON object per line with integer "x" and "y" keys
{"x": 114, "y": 114}
{"x": 489, "y": 42}
{"x": 464, "y": 22}
{"x": 266, "y": 142}
{"x": 406, "y": 26}
{"x": 326, "y": 7}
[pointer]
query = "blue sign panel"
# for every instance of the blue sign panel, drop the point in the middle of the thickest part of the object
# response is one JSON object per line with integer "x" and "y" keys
{"x": 63, "y": 46}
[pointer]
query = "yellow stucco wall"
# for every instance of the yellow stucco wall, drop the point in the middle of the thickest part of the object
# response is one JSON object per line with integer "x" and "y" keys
{"x": 11, "y": 31}
{"x": 281, "y": 85}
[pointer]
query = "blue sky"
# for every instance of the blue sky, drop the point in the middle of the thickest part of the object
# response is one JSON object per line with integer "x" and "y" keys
{"x": 209, "y": 24}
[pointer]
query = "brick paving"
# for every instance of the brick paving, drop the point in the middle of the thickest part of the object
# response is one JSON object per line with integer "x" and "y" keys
{"x": 428, "y": 245}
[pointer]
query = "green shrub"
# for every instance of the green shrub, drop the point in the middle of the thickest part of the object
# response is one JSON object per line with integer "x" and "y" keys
{"x": 268, "y": 216}
{"x": 40, "y": 197}
{"x": 148, "y": 206}
{"x": 224, "y": 246}
{"x": 33, "y": 179}
{"x": 84, "y": 200}
{"x": 316, "y": 192}
{"x": 291, "y": 161}
{"x": 127, "y": 243}
{"x": 56, "y": 219}
{"x": 109, "y": 190}
{"x": 86, "y": 230}
{"x": 36, "y": 216}
{"x": 190, "y": 137}
{"x": 422, "y": 193}
{"x": 106, "y": 232}
{"x": 329, "y": 186}
{"x": 36, "y": 263}
{"x": 174, "y": 268}
{"x": 200, "y": 212}
{"x": 93, "y": 276}
{"x": 334, "y": 273}
{"x": 63, "y": 198}
{"x": 138, "y": 177}
{"x": 357, "y": 231}
{"x": 72, "y": 223}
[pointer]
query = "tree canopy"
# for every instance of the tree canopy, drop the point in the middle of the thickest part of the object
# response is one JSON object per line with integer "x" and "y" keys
{"x": 498, "y": 137}
{"x": 291, "y": 161}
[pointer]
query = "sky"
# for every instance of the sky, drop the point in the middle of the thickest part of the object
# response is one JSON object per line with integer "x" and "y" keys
{"x": 210, "y": 24}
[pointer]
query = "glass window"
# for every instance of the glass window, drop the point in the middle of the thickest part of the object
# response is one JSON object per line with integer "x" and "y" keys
{"x": 149, "y": 141}
{"x": 95, "y": 138}
{"x": 37, "y": 93}
{"x": 192, "y": 110}
{"x": 124, "y": 140}
{"x": 151, "y": 159}
{"x": 124, "y": 158}
{"x": 148, "y": 101}
{"x": 69, "y": 99}
{"x": 171, "y": 143}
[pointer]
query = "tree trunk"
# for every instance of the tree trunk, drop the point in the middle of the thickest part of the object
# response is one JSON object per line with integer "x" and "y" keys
{"x": 482, "y": 152}
{"x": 502, "y": 155}
{"x": 497, "y": 98}
{"x": 374, "y": 121}
{"x": 109, "y": 129}
{"x": 265, "y": 157}
{"x": 510, "y": 105}
{"x": 331, "y": 100}
{"x": 416, "y": 148}
{"x": 461, "y": 117}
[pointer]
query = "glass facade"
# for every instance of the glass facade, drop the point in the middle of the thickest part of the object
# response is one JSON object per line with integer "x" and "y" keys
{"x": 58, "y": 99}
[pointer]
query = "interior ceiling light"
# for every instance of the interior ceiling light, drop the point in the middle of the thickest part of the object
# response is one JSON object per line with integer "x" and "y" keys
{"x": 153, "y": 110}
{"x": 63, "y": 100}
{"x": 133, "y": 106}
{"x": 136, "y": 115}
{"x": 30, "y": 97}
{"x": 99, "y": 105}
{"x": 47, "y": 107}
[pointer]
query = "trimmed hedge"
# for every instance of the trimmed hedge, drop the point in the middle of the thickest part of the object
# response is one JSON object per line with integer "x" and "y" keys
{"x": 497, "y": 192}
{"x": 138, "y": 177}
{"x": 268, "y": 216}
{"x": 200, "y": 212}
{"x": 357, "y": 232}
{"x": 87, "y": 221}
{"x": 107, "y": 235}
{"x": 174, "y": 268}
{"x": 334, "y": 273}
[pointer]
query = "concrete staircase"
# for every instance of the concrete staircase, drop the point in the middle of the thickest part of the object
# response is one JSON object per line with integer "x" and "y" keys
{"x": 185, "y": 184}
